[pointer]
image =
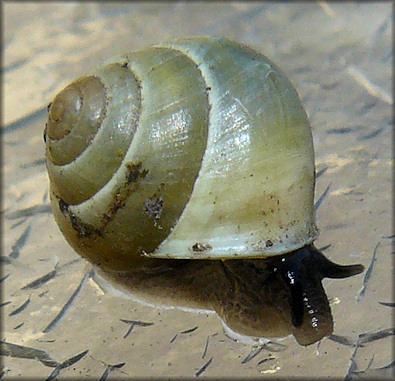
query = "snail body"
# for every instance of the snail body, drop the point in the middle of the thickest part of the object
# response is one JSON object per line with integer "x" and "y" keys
{"x": 193, "y": 149}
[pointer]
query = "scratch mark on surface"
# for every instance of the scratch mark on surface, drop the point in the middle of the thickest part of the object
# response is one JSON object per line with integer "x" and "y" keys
{"x": 342, "y": 340}
{"x": 5, "y": 260}
{"x": 273, "y": 346}
{"x": 365, "y": 338}
{"x": 353, "y": 365}
{"x": 72, "y": 262}
{"x": 321, "y": 198}
{"x": 134, "y": 323}
{"x": 109, "y": 369}
{"x": 205, "y": 348}
{"x": 20, "y": 308}
{"x": 204, "y": 367}
{"x": 270, "y": 358}
{"x": 15, "y": 65}
{"x": 321, "y": 172}
{"x": 22, "y": 352}
{"x": 25, "y": 121}
{"x": 63, "y": 311}
{"x": 252, "y": 354}
{"x": 20, "y": 222}
{"x": 45, "y": 197}
{"x": 368, "y": 274}
{"x": 373, "y": 336}
{"x": 4, "y": 278}
{"x": 40, "y": 281}
{"x": 371, "y": 135}
{"x": 19, "y": 325}
{"x": 381, "y": 373}
{"x": 33, "y": 163}
{"x": 20, "y": 242}
{"x": 364, "y": 81}
{"x": 326, "y": 247}
{"x": 66, "y": 364}
{"x": 387, "y": 304}
{"x": 189, "y": 330}
{"x": 47, "y": 277}
{"x": 340, "y": 131}
{"x": 28, "y": 212}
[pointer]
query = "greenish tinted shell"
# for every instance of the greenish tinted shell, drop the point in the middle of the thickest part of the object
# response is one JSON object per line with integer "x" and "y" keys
{"x": 197, "y": 148}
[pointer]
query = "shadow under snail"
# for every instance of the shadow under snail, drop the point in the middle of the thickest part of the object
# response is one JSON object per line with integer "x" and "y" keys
{"x": 185, "y": 172}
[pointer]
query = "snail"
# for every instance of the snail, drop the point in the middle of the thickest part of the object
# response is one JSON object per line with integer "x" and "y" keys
{"x": 187, "y": 154}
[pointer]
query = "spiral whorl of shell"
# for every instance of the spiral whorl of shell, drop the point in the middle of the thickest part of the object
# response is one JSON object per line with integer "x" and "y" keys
{"x": 197, "y": 148}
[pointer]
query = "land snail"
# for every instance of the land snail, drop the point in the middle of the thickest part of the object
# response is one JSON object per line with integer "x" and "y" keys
{"x": 185, "y": 173}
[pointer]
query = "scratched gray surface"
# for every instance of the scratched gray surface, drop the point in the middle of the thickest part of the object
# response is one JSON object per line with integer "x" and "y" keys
{"x": 339, "y": 58}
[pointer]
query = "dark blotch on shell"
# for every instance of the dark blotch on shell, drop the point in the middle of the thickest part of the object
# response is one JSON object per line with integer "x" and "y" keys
{"x": 134, "y": 175}
{"x": 135, "y": 172}
{"x": 268, "y": 243}
{"x": 154, "y": 207}
{"x": 200, "y": 247}
{"x": 83, "y": 229}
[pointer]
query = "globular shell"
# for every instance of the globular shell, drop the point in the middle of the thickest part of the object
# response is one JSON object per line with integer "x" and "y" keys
{"x": 197, "y": 148}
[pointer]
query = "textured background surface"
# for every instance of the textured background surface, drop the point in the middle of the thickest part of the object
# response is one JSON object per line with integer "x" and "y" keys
{"x": 339, "y": 58}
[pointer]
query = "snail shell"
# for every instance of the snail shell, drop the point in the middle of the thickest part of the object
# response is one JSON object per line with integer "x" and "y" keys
{"x": 195, "y": 149}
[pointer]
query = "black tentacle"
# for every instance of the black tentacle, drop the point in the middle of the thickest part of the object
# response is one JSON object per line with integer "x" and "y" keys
{"x": 303, "y": 270}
